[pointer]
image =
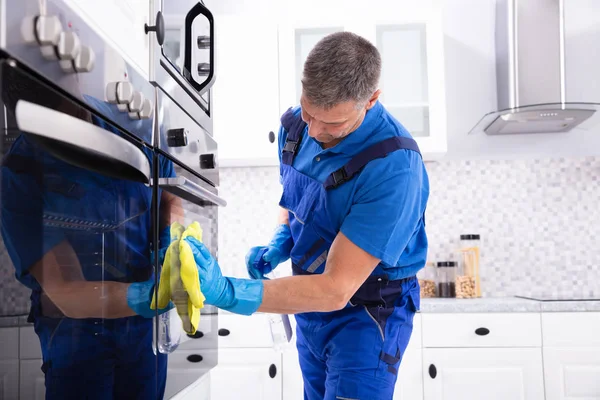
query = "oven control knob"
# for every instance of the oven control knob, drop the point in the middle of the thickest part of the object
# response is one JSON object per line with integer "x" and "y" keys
{"x": 208, "y": 161}
{"x": 120, "y": 93}
{"x": 135, "y": 106}
{"x": 67, "y": 49}
{"x": 146, "y": 110}
{"x": 43, "y": 30}
{"x": 177, "y": 137}
{"x": 85, "y": 60}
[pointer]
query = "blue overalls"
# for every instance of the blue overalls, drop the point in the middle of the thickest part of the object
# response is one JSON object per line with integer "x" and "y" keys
{"x": 353, "y": 353}
{"x": 107, "y": 222}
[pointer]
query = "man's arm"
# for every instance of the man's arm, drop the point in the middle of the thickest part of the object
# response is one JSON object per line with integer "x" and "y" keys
{"x": 284, "y": 217}
{"x": 347, "y": 267}
{"x": 59, "y": 274}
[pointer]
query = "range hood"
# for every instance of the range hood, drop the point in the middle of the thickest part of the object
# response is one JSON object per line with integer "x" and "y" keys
{"x": 530, "y": 72}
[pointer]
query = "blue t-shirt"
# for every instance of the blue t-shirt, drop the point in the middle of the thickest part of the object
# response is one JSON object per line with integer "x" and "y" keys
{"x": 381, "y": 210}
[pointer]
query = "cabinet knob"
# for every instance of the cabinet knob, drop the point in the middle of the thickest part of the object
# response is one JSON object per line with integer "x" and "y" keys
{"x": 194, "y": 358}
{"x": 196, "y": 335}
{"x": 272, "y": 371}
{"x": 271, "y": 137}
{"x": 482, "y": 331}
{"x": 432, "y": 371}
{"x": 224, "y": 332}
{"x": 159, "y": 28}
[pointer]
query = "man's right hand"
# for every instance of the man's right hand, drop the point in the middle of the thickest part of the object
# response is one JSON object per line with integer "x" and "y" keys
{"x": 277, "y": 251}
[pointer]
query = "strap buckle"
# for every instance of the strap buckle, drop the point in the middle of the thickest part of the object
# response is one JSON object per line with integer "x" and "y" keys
{"x": 339, "y": 176}
{"x": 291, "y": 146}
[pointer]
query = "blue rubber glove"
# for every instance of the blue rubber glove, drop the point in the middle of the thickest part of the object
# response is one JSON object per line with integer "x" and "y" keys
{"x": 240, "y": 296}
{"x": 277, "y": 251}
{"x": 139, "y": 297}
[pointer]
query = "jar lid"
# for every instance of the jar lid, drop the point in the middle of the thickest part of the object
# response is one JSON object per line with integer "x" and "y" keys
{"x": 446, "y": 264}
{"x": 470, "y": 236}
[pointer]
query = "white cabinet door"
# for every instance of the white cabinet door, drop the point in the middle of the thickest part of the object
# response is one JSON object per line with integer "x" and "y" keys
{"x": 9, "y": 379}
{"x": 475, "y": 374}
{"x": 251, "y": 374}
{"x": 32, "y": 380}
{"x": 121, "y": 22}
{"x": 411, "y": 43}
{"x": 245, "y": 95}
{"x": 409, "y": 385}
{"x": 293, "y": 385}
{"x": 572, "y": 373}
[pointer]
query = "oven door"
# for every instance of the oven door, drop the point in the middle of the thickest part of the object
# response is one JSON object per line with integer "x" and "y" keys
{"x": 77, "y": 223}
{"x": 191, "y": 199}
{"x": 184, "y": 64}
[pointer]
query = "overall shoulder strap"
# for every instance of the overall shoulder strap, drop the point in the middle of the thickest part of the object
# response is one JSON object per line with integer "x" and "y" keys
{"x": 294, "y": 126}
{"x": 357, "y": 163}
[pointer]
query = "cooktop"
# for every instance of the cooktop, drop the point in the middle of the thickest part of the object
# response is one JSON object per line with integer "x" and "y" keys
{"x": 561, "y": 298}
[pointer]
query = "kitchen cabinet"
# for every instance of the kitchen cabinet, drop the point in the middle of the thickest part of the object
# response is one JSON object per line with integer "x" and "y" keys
{"x": 571, "y": 355}
{"x": 483, "y": 373}
{"x": 247, "y": 373}
{"x": 572, "y": 373}
{"x": 411, "y": 44}
{"x": 9, "y": 379}
{"x": 121, "y": 22}
{"x": 31, "y": 380}
{"x": 245, "y": 96}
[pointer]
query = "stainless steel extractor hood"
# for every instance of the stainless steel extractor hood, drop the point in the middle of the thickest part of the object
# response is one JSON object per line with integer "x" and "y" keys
{"x": 530, "y": 72}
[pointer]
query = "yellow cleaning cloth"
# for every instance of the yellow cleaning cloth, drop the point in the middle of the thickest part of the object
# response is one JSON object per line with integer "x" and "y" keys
{"x": 180, "y": 272}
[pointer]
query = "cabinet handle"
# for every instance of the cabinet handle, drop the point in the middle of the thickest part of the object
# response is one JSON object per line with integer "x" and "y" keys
{"x": 271, "y": 137}
{"x": 482, "y": 331}
{"x": 272, "y": 371}
{"x": 432, "y": 371}
{"x": 194, "y": 358}
{"x": 196, "y": 335}
{"x": 224, "y": 332}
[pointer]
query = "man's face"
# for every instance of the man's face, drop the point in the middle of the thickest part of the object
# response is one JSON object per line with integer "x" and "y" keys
{"x": 330, "y": 126}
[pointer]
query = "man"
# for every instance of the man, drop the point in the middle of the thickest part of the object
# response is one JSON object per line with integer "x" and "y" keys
{"x": 352, "y": 221}
{"x": 80, "y": 240}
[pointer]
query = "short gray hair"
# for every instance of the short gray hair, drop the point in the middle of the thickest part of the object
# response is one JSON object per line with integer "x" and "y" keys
{"x": 341, "y": 67}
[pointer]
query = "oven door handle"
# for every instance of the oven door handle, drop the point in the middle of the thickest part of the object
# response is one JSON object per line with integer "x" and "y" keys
{"x": 186, "y": 189}
{"x": 81, "y": 143}
{"x": 198, "y": 10}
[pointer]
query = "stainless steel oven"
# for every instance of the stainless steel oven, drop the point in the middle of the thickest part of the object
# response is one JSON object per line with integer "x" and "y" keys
{"x": 96, "y": 162}
{"x": 183, "y": 55}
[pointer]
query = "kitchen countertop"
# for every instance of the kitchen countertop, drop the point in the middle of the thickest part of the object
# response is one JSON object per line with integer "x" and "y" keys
{"x": 504, "y": 304}
{"x": 436, "y": 305}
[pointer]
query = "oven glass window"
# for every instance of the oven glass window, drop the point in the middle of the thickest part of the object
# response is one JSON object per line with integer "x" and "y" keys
{"x": 77, "y": 233}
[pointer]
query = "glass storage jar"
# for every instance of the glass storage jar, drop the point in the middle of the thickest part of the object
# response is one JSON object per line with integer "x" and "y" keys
{"x": 468, "y": 283}
{"x": 427, "y": 278}
{"x": 446, "y": 274}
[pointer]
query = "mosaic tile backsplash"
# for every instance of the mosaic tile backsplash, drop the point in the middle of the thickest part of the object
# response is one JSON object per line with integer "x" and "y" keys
{"x": 538, "y": 219}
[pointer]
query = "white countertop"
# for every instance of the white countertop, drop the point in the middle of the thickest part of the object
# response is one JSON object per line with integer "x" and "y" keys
{"x": 504, "y": 304}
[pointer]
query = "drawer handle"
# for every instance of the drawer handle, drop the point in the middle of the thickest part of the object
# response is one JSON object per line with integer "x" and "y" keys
{"x": 271, "y": 137}
{"x": 194, "y": 358}
{"x": 432, "y": 371}
{"x": 224, "y": 332}
{"x": 196, "y": 335}
{"x": 272, "y": 371}
{"x": 482, "y": 331}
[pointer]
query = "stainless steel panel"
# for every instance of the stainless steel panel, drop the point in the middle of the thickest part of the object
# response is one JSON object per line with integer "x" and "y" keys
{"x": 199, "y": 145}
{"x": 108, "y": 65}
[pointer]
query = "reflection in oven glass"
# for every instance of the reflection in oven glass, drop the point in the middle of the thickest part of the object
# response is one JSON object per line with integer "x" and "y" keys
{"x": 80, "y": 240}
